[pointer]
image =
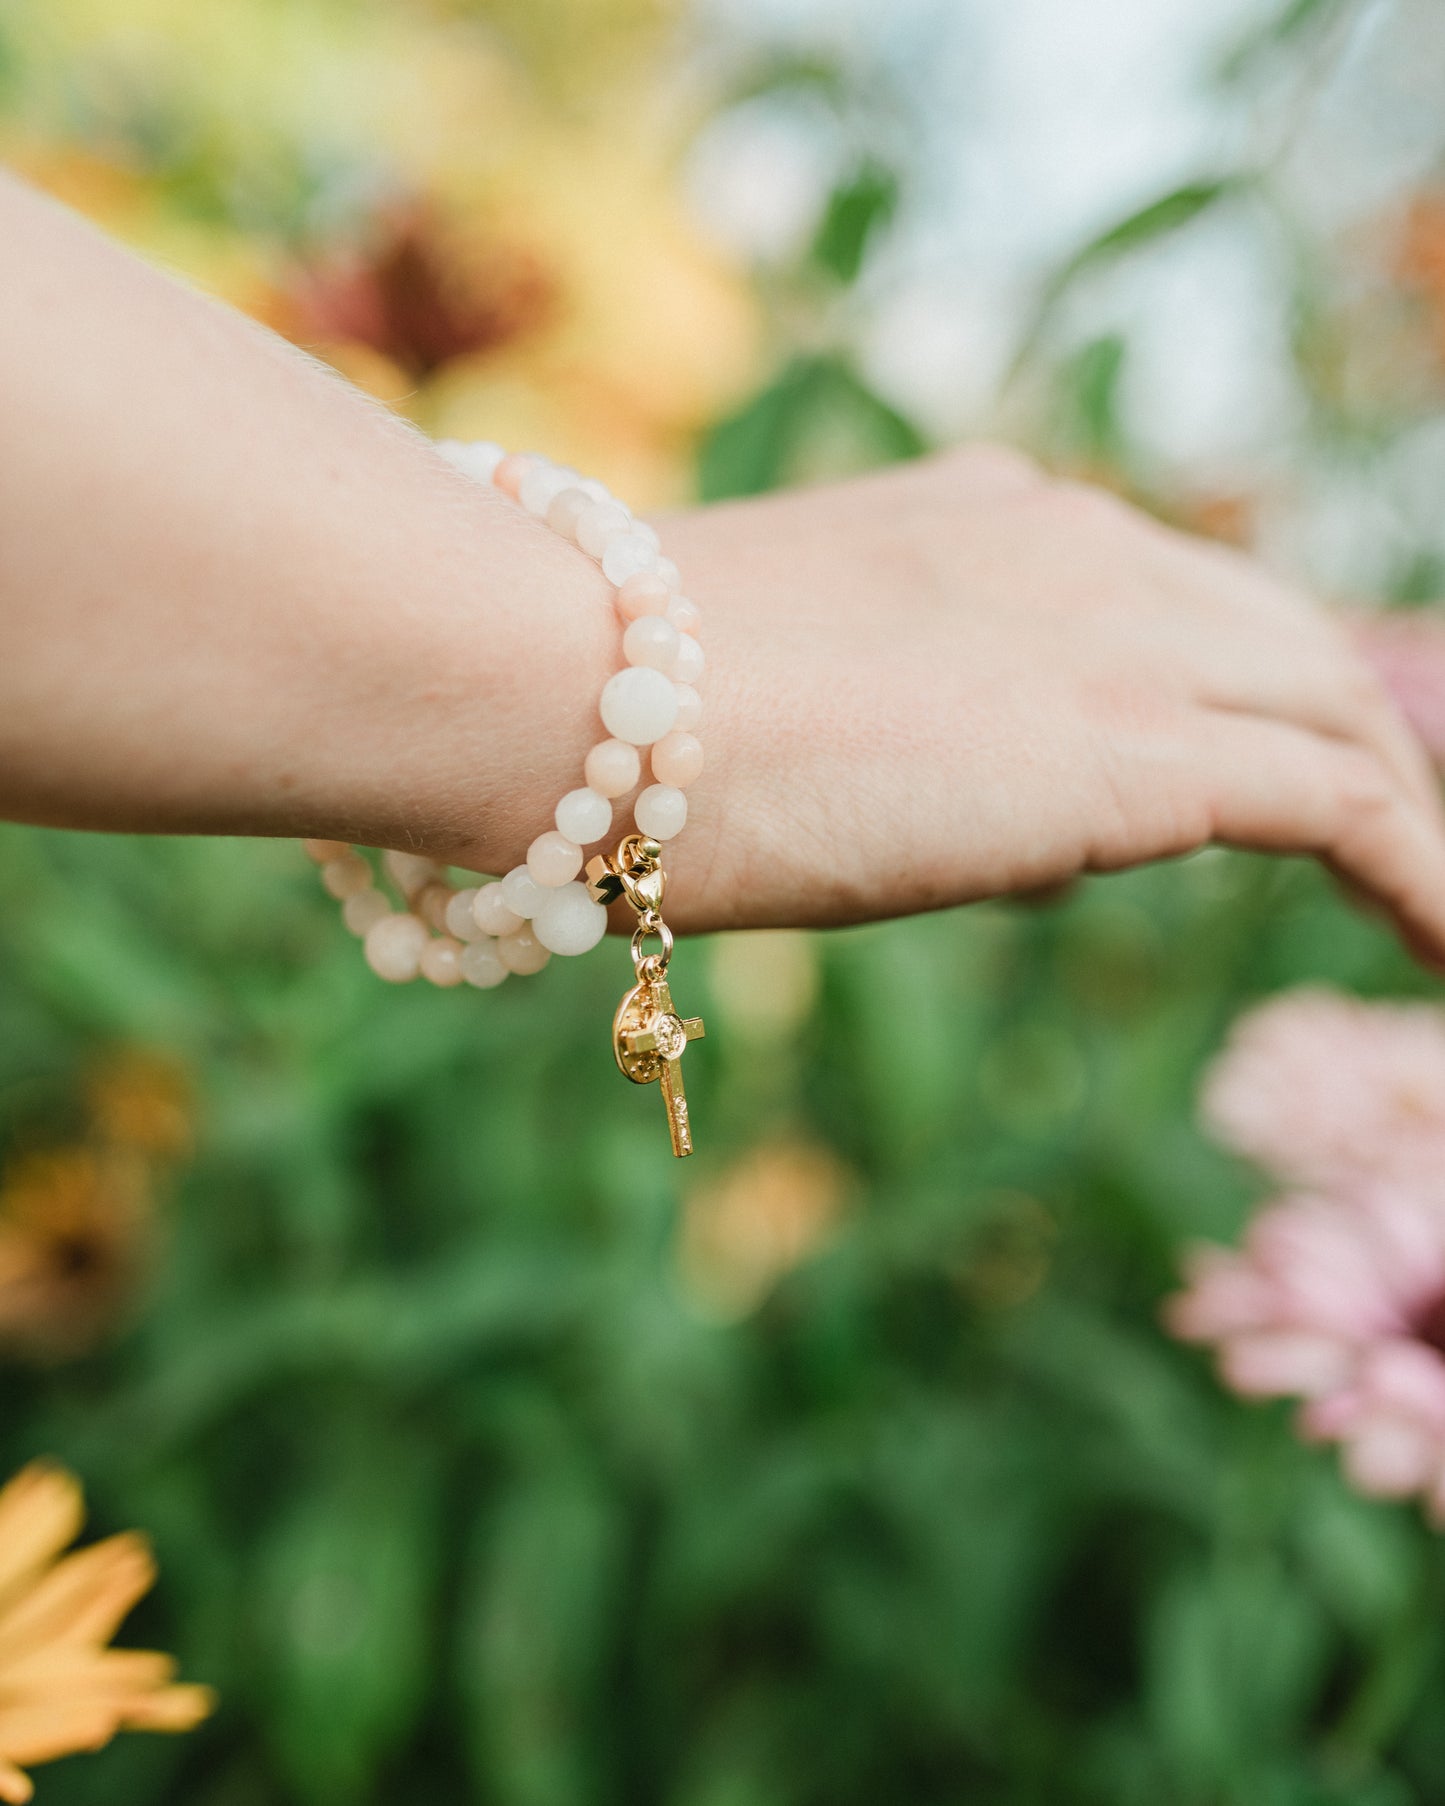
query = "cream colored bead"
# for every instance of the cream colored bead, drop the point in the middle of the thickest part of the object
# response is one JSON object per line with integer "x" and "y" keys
{"x": 677, "y": 759}
{"x": 322, "y": 852}
{"x": 569, "y": 922}
{"x": 639, "y": 705}
{"x": 394, "y": 947}
{"x": 612, "y": 768}
{"x": 541, "y": 486}
{"x": 481, "y": 964}
{"x": 689, "y": 708}
{"x": 522, "y": 952}
{"x": 625, "y": 555}
{"x": 583, "y": 816}
{"x": 643, "y": 594}
{"x": 492, "y": 912}
{"x": 566, "y": 510}
{"x": 520, "y": 892}
{"x": 685, "y": 615}
{"x": 687, "y": 664}
{"x": 346, "y": 876}
{"x": 441, "y": 962}
{"x": 668, "y": 572}
{"x": 597, "y": 524}
{"x": 461, "y": 923}
{"x": 650, "y": 640}
{"x": 552, "y": 859}
{"x": 477, "y": 460}
{"x": 366, "y": 907}
{"x": 661, "y": 811}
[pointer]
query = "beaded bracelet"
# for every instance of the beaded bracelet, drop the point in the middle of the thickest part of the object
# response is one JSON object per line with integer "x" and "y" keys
{"x": 479, "y": 935}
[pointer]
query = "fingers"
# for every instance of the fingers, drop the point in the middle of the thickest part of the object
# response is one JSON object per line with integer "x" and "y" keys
{"x": 1267, "y": 648}
{"x": 1278, "y": 788}
{"x": 1309, "y": 677}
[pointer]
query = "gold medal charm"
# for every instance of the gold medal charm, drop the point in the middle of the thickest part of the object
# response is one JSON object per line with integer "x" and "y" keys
{"x": 649, "y": 1038}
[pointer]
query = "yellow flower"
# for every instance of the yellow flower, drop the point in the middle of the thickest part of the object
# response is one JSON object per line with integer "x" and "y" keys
{"x": 61, "y": 1688}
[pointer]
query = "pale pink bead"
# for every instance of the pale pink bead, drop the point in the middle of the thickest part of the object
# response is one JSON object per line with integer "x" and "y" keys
{"x": 569, "y": 922}
{"x": 461, "y": 922}
{"x": 520, "y": 892}
{"x": 552, "y": 859}
{"x": 612, "y": 768}
{"x": 510, "y": 471}
{"x": 684, "y": 614}
{"x": 597, "y": 524}
{"x": 493, "y": 914}
{"x": 441, "y": 962}
{"x": 584, "y": 816}
{"x": 394, "y": 947}
{"x": 522, "y": 952}
{"x": 410, "y": 871}
{"x": 644, "y": 593}
{"x": 688, "y": 664}
{"x": 346, "y": 876}
{"x": 566, "y": 511}
{"x": 689, "y": 708}
{"x": 322, "y": 852}
{"x": 625, "y": 555}
{"x": 481, "y": 964}
{"x": 639, "y": 705}
{"x": 661, "y": 811}
{"x": 431, "y": 903}
{"x": 650, "y": 640}
{"x": 668, "y": 572}
{"x": 360, "y": 911}
{"x": 677, "y": 759}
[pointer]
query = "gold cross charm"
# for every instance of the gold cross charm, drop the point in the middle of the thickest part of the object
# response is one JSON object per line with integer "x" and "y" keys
{"x": 649, "y": 1039}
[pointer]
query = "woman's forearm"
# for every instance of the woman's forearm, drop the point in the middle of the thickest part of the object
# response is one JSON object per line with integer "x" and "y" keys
{"x": 236, "y": 596}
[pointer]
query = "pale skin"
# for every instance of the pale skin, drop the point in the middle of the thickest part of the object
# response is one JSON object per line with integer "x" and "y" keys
{"x": 237, "y": 597}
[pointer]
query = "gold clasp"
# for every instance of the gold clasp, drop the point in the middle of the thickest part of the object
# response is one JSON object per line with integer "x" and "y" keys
{"x": 648, "y": 1037}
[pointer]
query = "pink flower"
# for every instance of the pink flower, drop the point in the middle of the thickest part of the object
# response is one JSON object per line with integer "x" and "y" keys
{"x": 1408, "y": 654}
{"x": 1326, "y": 1091}
{"x": 1339, "y": 1302}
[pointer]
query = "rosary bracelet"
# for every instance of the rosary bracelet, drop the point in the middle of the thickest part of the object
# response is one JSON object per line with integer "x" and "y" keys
{"x": 478, "y": 935}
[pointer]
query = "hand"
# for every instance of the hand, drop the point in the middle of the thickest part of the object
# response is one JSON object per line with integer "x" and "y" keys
{"x": 958, "y": 678}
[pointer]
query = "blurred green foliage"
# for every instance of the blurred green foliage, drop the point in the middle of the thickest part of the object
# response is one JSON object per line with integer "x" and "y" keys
{"x": 465, "y": 1489}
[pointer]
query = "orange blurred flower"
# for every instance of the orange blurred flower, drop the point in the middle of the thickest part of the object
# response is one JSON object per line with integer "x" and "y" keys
{"x": 765, "y": 1216}
{"x": 75, "y": 1222}
{"x": 141, "y": 1102}
{"x": 423, "y": 292}
{"x": 72, "y": 1239}
{"x": 61, "y": 1688}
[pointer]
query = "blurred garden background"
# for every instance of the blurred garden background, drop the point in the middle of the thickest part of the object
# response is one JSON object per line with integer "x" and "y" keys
{"x": 491, "y": 1457}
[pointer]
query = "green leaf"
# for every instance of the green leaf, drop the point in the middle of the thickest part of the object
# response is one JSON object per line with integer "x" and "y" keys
{"x": 343, "y": 1609}
{"x": 856, "y": 212}
{"x": 816, "y": 419}
{"x": 537, "y": 1616}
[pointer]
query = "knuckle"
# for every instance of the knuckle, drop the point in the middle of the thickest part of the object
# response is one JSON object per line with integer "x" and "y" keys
{"x": 1090, "y": 508}
{"x": 986, "y": 460}
{"x": 1365, "y": 790}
